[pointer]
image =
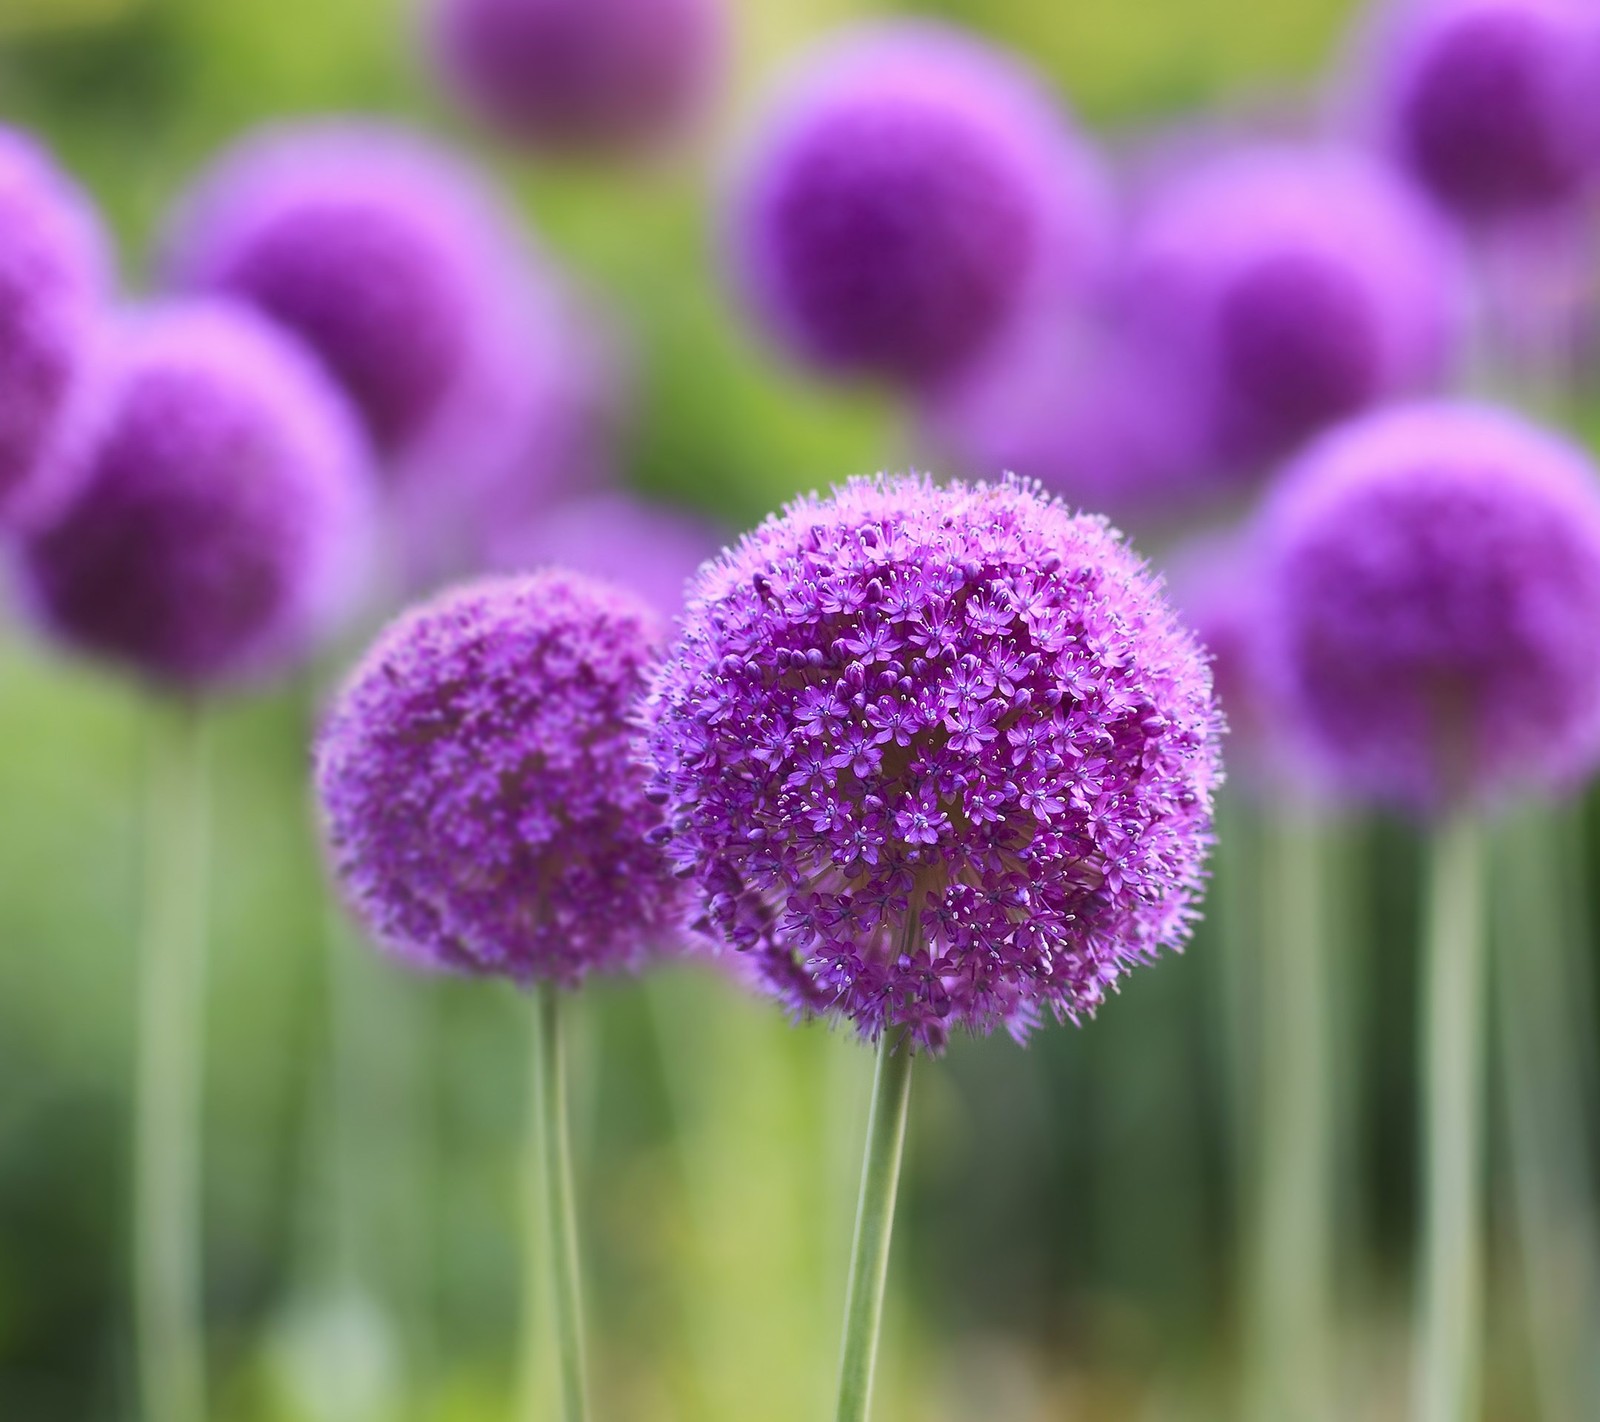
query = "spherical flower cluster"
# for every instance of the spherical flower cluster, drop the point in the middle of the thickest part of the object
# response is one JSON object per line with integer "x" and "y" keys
{"x": 484, "y": 810}
{"x": 224, "y": 506}
{"x": 581, "y": 74}
{"x": 1432, "y": 600}
{"x": 1288, "y": 288}
{"x": 1063, "y": 399}
{"x": 1491, "y": 103}
{"x": 54, "y": 279}
{"x": 650, "y": 549}
{"x": 936, "y": 757}
{"x": 908, "y": 199}
{"x": 403, "y": 273}
{"x": 1214, "y": 579}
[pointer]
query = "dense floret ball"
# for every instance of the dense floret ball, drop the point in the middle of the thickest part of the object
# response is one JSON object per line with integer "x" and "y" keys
{"x": 483, "y": 807}
{"x": 1432, "y": 591}
{"x": 936, "y": 757}
{"x": 650, "y": 549}
{"x": 1491, "y": 103}
{"x": 581, "y": 74}
{"x": 224, "y": 504}
{"x": 906, "y": 201}
{"x": 388, "y": 257}
{"x": 1065, "y": 400}
{"x": 1286, "y": 289}
{"x": 54, "y": 278}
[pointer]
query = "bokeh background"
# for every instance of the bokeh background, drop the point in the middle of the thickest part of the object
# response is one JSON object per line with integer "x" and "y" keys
{"x": 1072, "y": 1239}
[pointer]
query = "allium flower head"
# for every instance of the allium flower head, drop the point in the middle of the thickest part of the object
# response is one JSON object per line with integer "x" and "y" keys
{"x": 1288, "y": 288}
{"x": 390, "y": 259}
{"x": 581, "y": 74}
{"x": 54, "y": 279}
{"x": 1065, "y": 400}
{"x": 1432, "y": 590}
{"x": 1491, "y": 103}
{"x": 909, "y": 197}
{"x": 650, "y": 549}
{"x": 483, "y": 807}
{"x": 936, "y": 757}
{"x": 224, "y": 506}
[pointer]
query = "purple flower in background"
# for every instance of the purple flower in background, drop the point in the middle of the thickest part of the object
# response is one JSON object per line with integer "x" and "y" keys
{"x": 405, "y": 275}
{"x": 1214, "y": 579}
{"x": 1491, "y": 103}
{"x": 993, "y": 820}
{"x": 54, "y": 280}
{"x": 581, "y": 74}
{"x": 1432, "y": 600}
{"x": 1063, "y": 399}
{"x": 908, "y": 198}
{"x": 650, "y": 549}
{"x": 1286, "y": 288}
{"x": 483, "y": 807}
{"x": 224, "y": 509}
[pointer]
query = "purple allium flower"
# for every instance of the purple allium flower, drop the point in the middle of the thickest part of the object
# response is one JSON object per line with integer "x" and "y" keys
{"x": 909, "y": 198}
{"x": 1491, "y": 103}
{"x": 403, "y": 272}
{"x": 581, "y": 74}
{"x": 1432, "y": 589}
{"x": 1063, "y": 399}
{"x": 54, "y": 280}
{"x": 1287, "y": 288}
{"x": 1214, "y": 579}
{"x": 936, "y": 757}
{"x": 650, "y": 549}
{"x": 224, "y": 503}
{"x": 484, "y": 809}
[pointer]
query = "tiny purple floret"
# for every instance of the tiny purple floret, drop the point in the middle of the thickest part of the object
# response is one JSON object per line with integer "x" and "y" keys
{"x": 936, "y": 757}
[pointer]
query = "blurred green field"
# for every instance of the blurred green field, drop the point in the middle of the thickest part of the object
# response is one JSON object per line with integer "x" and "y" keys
{"x": 1070, "y": 1240}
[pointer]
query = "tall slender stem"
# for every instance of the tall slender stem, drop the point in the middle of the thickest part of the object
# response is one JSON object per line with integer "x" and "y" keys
{"x": 557, "y": 1213}
{"x": 1294, "y": 1260}
{"x": 869, "y": 1255}
{"x": 1541, "y": 1062}
{"x": 1453, "y": 1036}
{"x": 168, "y": 1085}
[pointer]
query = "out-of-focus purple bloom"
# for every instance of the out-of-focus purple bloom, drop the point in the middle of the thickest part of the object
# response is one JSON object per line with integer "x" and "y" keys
{"x": 650, "y": 549}
{"x": 1432, "y": 594}
{"x": 991, "y": 813}
{"x": 405, "y": 275}
{"x": 1214, "y": 580}
{"x": 581, "y": 75}
{"x": 909, "y": 197}
{"x": 1285, "y": 288}
{"x": 1491, "y": 103}
{"x": 54, "y": 281}
{"x": 1063, "y": 399}
{"x": 483, "y": 806}
{"x": 224, "y": 510}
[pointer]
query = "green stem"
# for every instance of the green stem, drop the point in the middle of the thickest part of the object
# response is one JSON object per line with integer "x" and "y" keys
{"x": 1541, "y": 1060}
{"x": 869, "y": 1255}
{"x": 1453, "y": 1033}
{"x": 1294, "y": 1262}
{"x": 168, "y": 1090}
{"x": 558, "y": 1216}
